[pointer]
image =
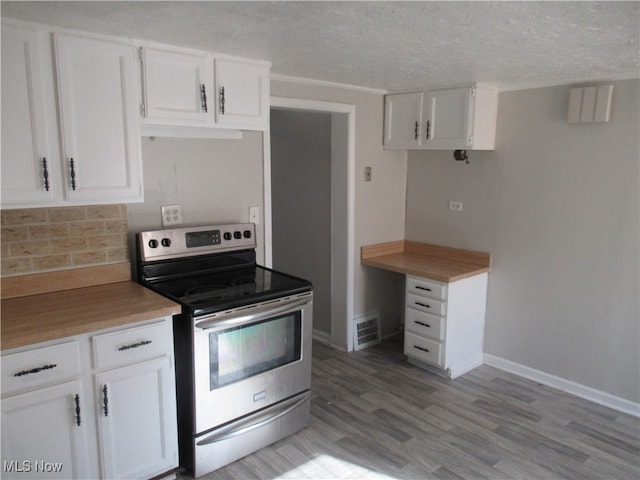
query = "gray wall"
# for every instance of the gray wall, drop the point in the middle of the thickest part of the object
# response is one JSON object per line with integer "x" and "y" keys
{"x": 557, "y": 205}
{"x": 214, "y": 181}
{"x": 301, "y": 203}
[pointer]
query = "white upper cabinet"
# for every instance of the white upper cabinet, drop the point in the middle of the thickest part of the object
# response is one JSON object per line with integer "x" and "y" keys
{"x": 178, "y": 87}
{"x": 192, "y": 88}
{"x": 74, "y": 139}
{"x": 448, "y": 119}
{"x": 30, "y": 174}
{"x": 99, "y": 122}
{"x": 243, "y": 93}
{"x": 403, "y": 120}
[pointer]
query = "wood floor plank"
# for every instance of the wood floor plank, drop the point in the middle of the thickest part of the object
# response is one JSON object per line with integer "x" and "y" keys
{"x": 374, "y": 415}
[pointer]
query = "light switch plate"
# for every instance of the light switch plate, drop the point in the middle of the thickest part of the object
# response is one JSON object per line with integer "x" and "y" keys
{"x": 171, "y": 215}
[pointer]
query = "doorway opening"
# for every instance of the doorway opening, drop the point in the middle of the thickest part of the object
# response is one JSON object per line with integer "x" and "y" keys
{"x": 309, "y": 192}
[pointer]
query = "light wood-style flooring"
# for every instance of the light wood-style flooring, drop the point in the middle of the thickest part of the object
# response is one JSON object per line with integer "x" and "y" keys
{"x": 373, "y": 415}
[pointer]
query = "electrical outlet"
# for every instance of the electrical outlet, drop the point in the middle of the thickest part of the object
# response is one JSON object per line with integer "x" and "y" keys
{"x": 254, "y": 215}
{"x": 455, "y": 206}
{"x": 171, "y": 215}
{"x": 367, "y": 174}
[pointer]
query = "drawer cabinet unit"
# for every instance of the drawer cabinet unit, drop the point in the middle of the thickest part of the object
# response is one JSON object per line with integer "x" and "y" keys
{"x": 42, "y": 392}
{"x": 444, "y": 323}
{"x": 93, "y": 406}
{"x": 137, "y": 406}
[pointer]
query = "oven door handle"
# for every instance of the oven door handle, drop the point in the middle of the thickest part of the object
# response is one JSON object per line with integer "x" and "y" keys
{"x": 258, "y": 313}
{"x": 270, "y": 414}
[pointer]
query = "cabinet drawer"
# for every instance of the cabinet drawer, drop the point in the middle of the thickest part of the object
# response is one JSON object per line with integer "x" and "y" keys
{"x": 423, "y": 349}
{"x": 424, "y": 287}
{"x": 422, "y": 323}
{"x": 424, "y": 304}
{"x": 39, "y": 367}
{"x": 132, "y": 345}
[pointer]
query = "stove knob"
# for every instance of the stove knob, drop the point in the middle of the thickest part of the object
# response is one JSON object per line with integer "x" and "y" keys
{"x": 166, "y": 242}
{"x": 153, "y": 243}
{"x": 237, "y": 235}
{"x": 227, "y": 235}
{"x": 246, "y": 234}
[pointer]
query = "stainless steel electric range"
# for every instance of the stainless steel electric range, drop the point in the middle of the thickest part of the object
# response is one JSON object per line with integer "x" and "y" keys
{"x": 242, "y": 341}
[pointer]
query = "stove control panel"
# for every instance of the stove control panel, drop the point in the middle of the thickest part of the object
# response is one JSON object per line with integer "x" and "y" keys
{"x": 183, "y": 242}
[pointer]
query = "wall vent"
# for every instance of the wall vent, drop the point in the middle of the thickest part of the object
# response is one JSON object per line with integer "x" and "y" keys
{"x": 590, "y": 104}
{"x": 366, "y": 331}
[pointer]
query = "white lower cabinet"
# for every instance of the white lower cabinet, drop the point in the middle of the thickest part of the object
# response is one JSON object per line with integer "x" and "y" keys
{"x": 100, "y": 405}
{"x": 44, "y": 433}
{"x": 444, "y": 323}
{"x": 137, "y": 429}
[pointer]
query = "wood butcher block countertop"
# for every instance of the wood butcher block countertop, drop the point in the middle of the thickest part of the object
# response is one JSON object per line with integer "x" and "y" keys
{"x": 443, "y": 264}
{"x": 41, "y": 317}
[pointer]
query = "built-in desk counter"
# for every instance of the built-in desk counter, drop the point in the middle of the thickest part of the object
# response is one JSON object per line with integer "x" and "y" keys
{"x": 442, "y": 264}
{"x": 445, "y": 302}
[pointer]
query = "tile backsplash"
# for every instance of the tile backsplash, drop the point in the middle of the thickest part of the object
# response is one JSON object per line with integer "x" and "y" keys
{"x": 36, "y": 240}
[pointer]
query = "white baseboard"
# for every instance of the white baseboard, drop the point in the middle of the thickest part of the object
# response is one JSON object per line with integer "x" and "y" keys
{"x": 582, "y": 391}
{"x": 321, "y": 336}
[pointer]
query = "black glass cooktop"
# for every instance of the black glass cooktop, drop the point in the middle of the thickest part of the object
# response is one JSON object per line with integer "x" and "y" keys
{"x": 205, "y": 293}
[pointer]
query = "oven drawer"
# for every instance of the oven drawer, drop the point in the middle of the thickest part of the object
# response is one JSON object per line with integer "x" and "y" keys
{"x": 423, "y": 349}
{"x": 424, "y": 324}
{"x": 424, "y": 304}
{"x": 132, "y": 345}
{"x": 40, "y": 367}
{"x": 425, "y": 287}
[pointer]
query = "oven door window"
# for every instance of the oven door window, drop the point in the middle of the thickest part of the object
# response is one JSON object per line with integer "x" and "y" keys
{"x": 241, "y": 352}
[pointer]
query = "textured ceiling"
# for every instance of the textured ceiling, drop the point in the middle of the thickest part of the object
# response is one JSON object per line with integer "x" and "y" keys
{"x": 392, "y": 46}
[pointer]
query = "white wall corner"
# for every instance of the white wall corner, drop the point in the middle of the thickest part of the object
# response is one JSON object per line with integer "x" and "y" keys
{"x": 579, "y": 390}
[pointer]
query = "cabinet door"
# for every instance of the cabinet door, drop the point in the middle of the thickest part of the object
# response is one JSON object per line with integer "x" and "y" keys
{"x": 242, "y": 89}
{"x": 44, "y": 433}
{"x": 137, "y": 411}
{"x": 448, "y": 118}
{"x": 28, "y": 175}
{"x": 178, "y": 87}
{"x": 98, "y": 101}
{"x": 402, "y": 125}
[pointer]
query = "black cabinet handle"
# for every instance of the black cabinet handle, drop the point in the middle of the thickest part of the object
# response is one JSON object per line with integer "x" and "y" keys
{"x": 423, "y": 305}
{"x": 428, "y": 129}
{"x": 415, "y": 131}
{"x": 22, "y": 373}
{"x": 423, "y": 288}
{"x": 77, "y": 403}
{"x": 105, "y": 400}
{"x": 45, "y": 174}
{"x": 222, "y": 100}
{"x": 421, "y": 348}
{"x": 423, "y": 324}
{"x": 72, "y": 173}
{"x": 203, "y": 96}
{"x": 134, "y": 345}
